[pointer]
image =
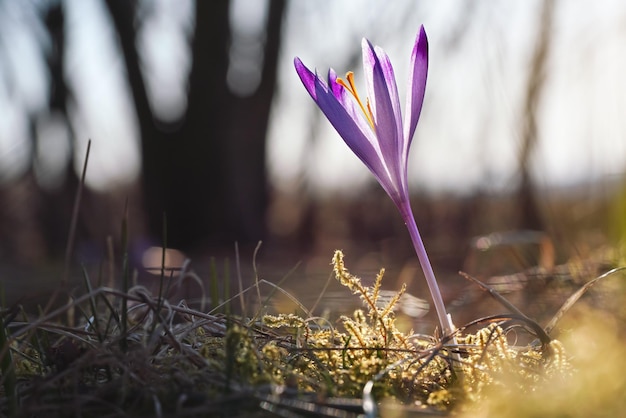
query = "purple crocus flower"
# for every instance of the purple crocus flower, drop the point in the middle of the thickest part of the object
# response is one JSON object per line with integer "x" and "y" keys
{"x": 375, "y": 132}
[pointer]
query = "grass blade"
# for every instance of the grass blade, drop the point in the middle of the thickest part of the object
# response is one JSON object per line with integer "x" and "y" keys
{"x": 577, "y": 295}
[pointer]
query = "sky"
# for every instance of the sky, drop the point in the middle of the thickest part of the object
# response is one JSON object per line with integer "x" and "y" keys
{"x": 469, "y": 133}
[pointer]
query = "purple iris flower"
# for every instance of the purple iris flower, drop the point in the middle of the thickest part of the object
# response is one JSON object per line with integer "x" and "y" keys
{"x": 375, "y": 132}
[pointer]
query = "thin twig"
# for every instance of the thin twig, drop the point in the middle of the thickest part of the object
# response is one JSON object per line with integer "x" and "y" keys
{"x": 72, "y": 232}
{"x": 543, "y": 335}
{"x": 577, "y": 295}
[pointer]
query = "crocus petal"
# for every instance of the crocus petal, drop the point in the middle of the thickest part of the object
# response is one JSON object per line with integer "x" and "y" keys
{"x": 341, "y": 113}
{"x": 385, "y": 104}
{"x": 417, "y": 86}
{"x": 306, "y": 76}
{"x": 351, "y": 107}
{"x": 385, "y": 148}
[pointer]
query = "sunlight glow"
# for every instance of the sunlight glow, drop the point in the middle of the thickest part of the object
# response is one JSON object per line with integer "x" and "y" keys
{"x": 163, "y": 45}
{"x": 470, "y": 128}
{"x": 248, "y": 19}
{"x": 469, "y": 132}
{"x": 104, "y": 111}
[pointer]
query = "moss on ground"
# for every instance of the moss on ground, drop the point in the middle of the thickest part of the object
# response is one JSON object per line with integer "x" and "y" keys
{"x": 170, "y": 360}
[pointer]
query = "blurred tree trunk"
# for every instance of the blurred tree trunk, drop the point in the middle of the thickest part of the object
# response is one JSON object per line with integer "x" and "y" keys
{"x": 246, "y": 142}
{"x": 186, "y": 175}
{"x": 530, "y": 216}
{"x": 207, "y": 176}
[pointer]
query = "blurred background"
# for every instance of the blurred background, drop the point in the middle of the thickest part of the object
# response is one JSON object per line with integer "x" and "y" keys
{"x": 197, "y": 116}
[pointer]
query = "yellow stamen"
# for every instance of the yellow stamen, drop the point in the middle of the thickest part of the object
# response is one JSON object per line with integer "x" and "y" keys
{"x": 367, "y": 110}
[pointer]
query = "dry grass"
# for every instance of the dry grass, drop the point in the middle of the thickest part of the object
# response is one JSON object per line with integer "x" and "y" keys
{"x": 113, "y": 352}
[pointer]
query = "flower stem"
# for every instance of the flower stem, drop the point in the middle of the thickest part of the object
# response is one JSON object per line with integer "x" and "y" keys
{"x": 444, "y": 320}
